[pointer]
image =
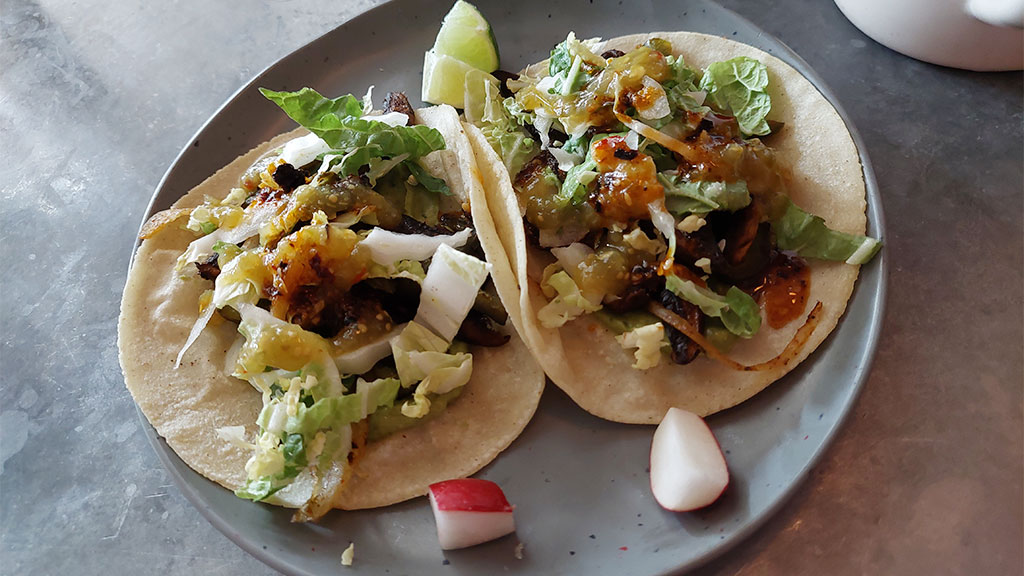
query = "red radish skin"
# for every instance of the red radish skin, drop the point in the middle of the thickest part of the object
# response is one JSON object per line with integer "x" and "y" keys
{"x": 470, "y": 511}
{"x": 688, "y": 469}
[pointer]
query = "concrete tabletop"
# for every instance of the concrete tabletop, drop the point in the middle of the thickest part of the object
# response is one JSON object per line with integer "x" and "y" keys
{"x": 97, "y": 98}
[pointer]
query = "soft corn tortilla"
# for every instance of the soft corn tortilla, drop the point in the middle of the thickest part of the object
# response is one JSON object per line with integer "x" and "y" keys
{"x": 584, "y": 359}
{"x": 187, "y": 405}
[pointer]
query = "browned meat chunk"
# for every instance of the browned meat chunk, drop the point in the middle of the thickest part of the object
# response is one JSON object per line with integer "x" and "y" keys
{"x": 398, "y": 102}
{"x": 684, "y": 350}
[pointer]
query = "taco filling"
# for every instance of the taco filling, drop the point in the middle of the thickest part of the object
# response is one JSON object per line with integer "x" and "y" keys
{"x": 651, "y": 198}
{"x": 358, "y": 287}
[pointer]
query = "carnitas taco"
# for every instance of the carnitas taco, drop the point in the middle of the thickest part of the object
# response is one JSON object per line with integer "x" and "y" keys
{"x": 685, "y": 216}
{"x": 314, "y": 326}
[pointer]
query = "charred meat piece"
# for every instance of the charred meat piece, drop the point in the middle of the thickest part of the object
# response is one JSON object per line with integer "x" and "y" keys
{"x": 532, "y": 233}
{"x": 692, "y": 246}
{"x": 398, "y": 102}
{"x": 453, "y": 222}
{"x": 209, "y": 269}
{"x": 534, "y": 169}
{"x": 644, "y": 284}
{"x": 447, "y": 224}
{"x": 744, "y": 261}
{"x": 717, "y": 125}
{"x": 410, "y": 225}
{"x": 684, "y": 350}
{"x": 326, "y": 312}
{"x": 288, "y": 177}
{"x": 480, "y": 330}
{"x": 399, "y": 297}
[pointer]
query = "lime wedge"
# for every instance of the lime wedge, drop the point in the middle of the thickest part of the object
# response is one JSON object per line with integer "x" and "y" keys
{"x": 465, "y": 35}
{"x": 444, "y": 79}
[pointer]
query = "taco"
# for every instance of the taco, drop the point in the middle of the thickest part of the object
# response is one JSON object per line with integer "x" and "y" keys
{"x": 685, "y": 216}
{"x": 314, "y": 325}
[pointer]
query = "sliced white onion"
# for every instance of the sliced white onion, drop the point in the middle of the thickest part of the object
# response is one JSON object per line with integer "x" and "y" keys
{"x": 449, "y": 290}
{"x": 566, "y": 160}
{"x": 303, "y": 150}
{"x": 633, "y": 140}
{"x": 658, "y": 107}
{"x": 197, "y": 329}
{"x": 572, "y": 255}
{"x": 561, "y": 237}
{"x": 390, "y": 118}
{"x": 546, "y": 83}
{"x": 387, "y": 247}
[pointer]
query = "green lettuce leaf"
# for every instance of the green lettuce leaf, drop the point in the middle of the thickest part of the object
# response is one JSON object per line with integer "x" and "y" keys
{"x": 355, "y": 139}
{"x": 701, "y": 197}
{"x": 431, "y": 183}
{"x": 314, "y": 112}
{"x": 740, "y": 87}
{"x": 809, "y": 236}
{"x": 574, "y": 189}
{"x": 738, "y": 311}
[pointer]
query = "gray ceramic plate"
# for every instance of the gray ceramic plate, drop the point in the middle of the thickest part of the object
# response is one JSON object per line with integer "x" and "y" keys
{"x": 580, "y": 484}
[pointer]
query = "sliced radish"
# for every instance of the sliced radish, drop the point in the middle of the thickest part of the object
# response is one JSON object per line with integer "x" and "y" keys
{"x": 470, "y": 511}
{"x": 688, "y": 469}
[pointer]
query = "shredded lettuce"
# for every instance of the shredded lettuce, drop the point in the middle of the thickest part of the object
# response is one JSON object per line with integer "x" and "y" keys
{"x": 701, "y": 197}
{"x": 739, "y": 312}
{"x": 809, "y": 236}
{"x": 579, "y": 177}
{"x": 421, "y": 358}
{"x": 568, "y": 302}
{"x": 574, "y": 189}
{"x": 740, "y": 87}
{"x": 502, "y": 126}
{"x": 449, "y": 290}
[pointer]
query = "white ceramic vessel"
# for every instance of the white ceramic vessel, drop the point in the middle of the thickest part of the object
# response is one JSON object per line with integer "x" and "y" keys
{"x": 984, "y": 35}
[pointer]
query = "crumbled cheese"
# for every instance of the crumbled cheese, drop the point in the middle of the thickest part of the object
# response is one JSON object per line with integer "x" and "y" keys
{"x": 648, "y": 341}
{"x": 348, "y": 554}
{"x": 691, "y": 223}
{"x": 704, "y": 264}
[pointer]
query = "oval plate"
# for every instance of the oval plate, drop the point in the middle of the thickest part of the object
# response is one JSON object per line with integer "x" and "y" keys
{"x": 580, "y": 483}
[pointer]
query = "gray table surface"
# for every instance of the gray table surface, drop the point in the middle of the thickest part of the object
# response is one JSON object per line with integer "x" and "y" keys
{"x": 97, "y": 98}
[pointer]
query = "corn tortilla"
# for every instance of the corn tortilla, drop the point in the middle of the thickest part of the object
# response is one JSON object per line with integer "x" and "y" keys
{"x": 187, "y": 405}
{"x": 583, "y": 358}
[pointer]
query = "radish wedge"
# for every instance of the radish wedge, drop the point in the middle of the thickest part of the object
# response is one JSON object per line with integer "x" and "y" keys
{"x": 688, "y": 470}
{"x": 470, "y": 511}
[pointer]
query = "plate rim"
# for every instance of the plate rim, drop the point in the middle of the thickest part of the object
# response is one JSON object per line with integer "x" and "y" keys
{"x": 875, "y": 225}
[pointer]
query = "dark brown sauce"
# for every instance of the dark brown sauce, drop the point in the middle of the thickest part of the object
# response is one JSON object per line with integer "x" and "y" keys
{"x": 787, "y": 282}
